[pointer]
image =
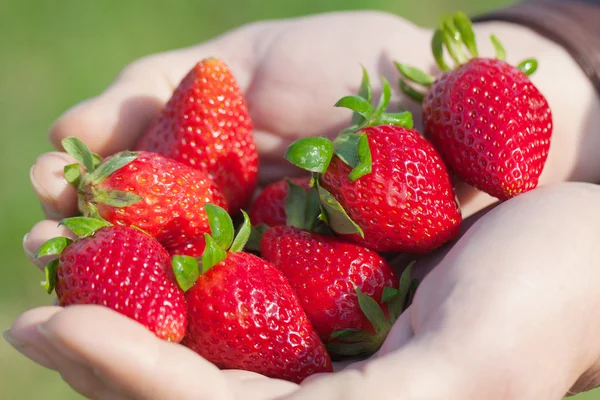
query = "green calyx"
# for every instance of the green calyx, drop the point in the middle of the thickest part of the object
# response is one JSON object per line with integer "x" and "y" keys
{"x": 82, "y": 227}
{"x": 455, "y": 36}
{"x": 360, "y": 343}
{"x": 95, "y": 172}
{"x": 218, "y": 243}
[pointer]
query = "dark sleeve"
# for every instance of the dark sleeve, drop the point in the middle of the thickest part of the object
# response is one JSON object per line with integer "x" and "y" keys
{"x": 574, "y": 24}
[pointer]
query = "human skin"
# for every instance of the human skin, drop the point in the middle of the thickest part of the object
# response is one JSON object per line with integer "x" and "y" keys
{"x": 507, "y": 311}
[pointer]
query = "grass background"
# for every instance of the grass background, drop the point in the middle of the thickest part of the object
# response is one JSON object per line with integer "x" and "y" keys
{"x": 54, "y": 54}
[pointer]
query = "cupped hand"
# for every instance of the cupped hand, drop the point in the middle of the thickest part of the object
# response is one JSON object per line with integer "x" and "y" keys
{"x": 292, "y": 72}
{"x": 507, "y": 312}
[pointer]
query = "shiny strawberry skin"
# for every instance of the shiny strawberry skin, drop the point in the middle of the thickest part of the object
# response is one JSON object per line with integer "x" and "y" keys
{"x": 172, "y": 204}
{"x": 243, "y": 314}
{"x": 128, "y": 271}
{"x": 206, "y": 125}
{"x": 491, "y": 125}
{"x": 407, "y": 203}
{"x": 269, "y": 206}
{"x": 323, "y": 271}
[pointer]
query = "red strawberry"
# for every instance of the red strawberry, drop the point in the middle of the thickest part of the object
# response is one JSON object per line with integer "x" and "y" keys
{"x": 326, "y": 273}
{"x": 487, "y": 119}
{"x": 206, "y": 125}
{"x": 243, "y": 314}
{"x": 386, "y": 187}
{"x": 269, "y": 207}
{"x": 120, "y": 268}
{"x": 161, "y": 196}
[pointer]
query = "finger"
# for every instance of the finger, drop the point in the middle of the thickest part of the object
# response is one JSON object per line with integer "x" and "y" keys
{"x": 112, "y": 121}
{"x": 42, "y": 231}
{"x": 252, "y": 386}
{"x": 58, "y": 197}
{"x": 131, "y": 358}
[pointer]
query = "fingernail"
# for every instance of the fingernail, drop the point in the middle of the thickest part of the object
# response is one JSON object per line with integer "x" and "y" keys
{"x": 28, "y": 252}
{"x": 28, "y": 351}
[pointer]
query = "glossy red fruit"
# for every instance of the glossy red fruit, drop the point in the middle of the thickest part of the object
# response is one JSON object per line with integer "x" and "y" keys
{"x": 127, "y": 271}
{"x": 243, "y": 314}
{"x": 491, "y": 125}
{"x": 206, "y": 125}
{"x": 324, "y": 271}
{"x": 269, "y": 206}
{"x": 407, "y": 202}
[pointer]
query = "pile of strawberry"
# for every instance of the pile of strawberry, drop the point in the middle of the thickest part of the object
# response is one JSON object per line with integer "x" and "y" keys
{"x": 304, "y": 280}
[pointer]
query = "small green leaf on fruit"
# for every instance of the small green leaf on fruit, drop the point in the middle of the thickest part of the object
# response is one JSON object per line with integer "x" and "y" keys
{"x": 353, "y": 149}
{"x": 79, "y": 151}
{"x": 221, "y": 225}
{"x": 498, "y": 47}
{"x": 312, "y": 154}
{"x": 415, "y": 75}
{"x": 52, "y": 247}
{"x": 212, "y": 255}
{"x": 112, "y": 165}
{"x": 186, "y": 271}
{"x": 114, "y": 198}
{"x": 412, "y": 93}
{"x": 437, "y": 48}
{"x": 243, "y": 235}
{"x": 50, "y": 271}
{"x": 403, "y": 119}
{"x": 343, "y": 350}
{"x": 72, "y": 174}
{"x": 365, "y": 165}
{"x": 256, "y": 234}
{"x": 465, "y": 27}
{"x": 351, "y": 335}
{"x": 365, "y": 92}
{"x": 336, "y": 216}
{"x": 83, "y": 226}
{"x": 384, "y": 100}
{"x": 389, "y": 294}
{"x": 357, "y": 104}
{"x": 373, "y": 312}
{"x": 528, "y": 66}
{"x": 452, "y": 40}
{"x": 295, "y": 205}
{"x": 313, "y": 208}
{"x": 97, "y": 160}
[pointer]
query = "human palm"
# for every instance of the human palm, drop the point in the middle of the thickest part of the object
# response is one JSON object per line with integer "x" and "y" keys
{"x": 480, "y": 322}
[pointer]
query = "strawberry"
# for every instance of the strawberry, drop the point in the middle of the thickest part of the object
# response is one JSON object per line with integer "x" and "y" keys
{"x": 118, "y": 267}
{"x": 269, "y": 206}
{"x": 329, "y": 275}
{"x": 161, "y": 196}
{"x": 489, "y": 122}
{"x": 243, "y": 313}
{"x": 381, "y": 184}
{"x": 206, "y": 125}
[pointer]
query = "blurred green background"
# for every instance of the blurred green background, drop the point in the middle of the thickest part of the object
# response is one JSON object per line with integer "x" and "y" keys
{"x": 54, "y": 54}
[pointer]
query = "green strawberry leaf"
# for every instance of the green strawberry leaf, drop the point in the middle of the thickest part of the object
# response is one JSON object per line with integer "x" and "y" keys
{"x": 313, "y": 208}
{"x": 415, "y": 75}
{"x": 353, "y": 149}
{"x": 221, "y": 225}
{"x": 350, "y": 349}
{"x": 186, "y": 271}
{"x": 110, "y": 166}
{"x": 403, "y": 119}
{"x": 295, "y": 205}
{"x": 114, "y": 198}
{"x": 351, "y": 335}
{"x": 50, "y": 270}
{"x": 389, "y": 294}
{"x": 83, "y": 226}
{"x": 334, "y": 214}
{"x": 256, "y": 234}
{"x": 498, "y": 47}
{"x": 384, "y": 100}
{"x": 396, "y": 303}
{"x": 373, "y": 312}
{"x": 243, "y": 235}
{"x": 528, "y": 66}
{"x": 366, "y": 162}
{"x": 72, "y": 174}
{"x": 365, "y": 92}
{"x": 52, "y": 247}
{"x": 465, "y": 27}
{"x": 212, "y": 255}
{"x": 452, "y": 40}
{"x": 437, "y": 48}
{"x": 413, "y": 94}
{"x": 79, "y": 151}
{"x": 358, "y": 104}
{"x": 312, "y": 153}
{"x": 97, "y": 160}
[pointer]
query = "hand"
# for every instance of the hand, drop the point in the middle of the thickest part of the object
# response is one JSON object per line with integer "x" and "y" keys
{"x": 506, "y": 313}
{"x": 290, "y": 94}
